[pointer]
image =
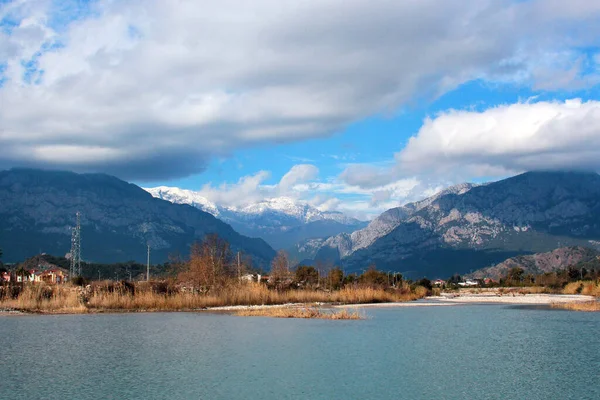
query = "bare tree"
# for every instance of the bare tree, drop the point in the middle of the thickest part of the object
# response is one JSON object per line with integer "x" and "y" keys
{"x": 210, "y": 263}
{"x": 280, "y": 268}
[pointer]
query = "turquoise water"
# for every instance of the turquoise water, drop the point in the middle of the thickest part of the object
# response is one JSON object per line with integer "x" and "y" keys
{"x": 462, "y": 352}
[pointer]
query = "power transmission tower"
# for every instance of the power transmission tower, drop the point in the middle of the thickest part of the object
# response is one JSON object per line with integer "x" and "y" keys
{"x": 76, "y": 248}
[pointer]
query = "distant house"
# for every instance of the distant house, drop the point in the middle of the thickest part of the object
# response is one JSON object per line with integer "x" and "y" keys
{"x": 468, "y": 282}
{"x": 39, "y": 269}
{"x": 30, "y": 276}
{"x": 438, "y": 282}
{"x": 54, "y": 275}
{"x": 5, "y": 277}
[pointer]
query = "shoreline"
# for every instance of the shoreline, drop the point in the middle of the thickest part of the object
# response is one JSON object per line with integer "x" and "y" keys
{"x": 444, "y": 300}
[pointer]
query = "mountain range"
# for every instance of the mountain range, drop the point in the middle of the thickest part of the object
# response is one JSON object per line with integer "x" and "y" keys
{"x": 539, "y": 263}
{"x": 468, "y": 226}
{"x": 461, "y": 229}
{"x": 118, "y": 220}
{"x": 282, "y": 222}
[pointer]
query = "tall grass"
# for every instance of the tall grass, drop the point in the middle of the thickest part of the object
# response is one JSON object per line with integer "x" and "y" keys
{"x": 590, "y": 288}
{"x": 296, "y": 312}
{"x": 142, "y": 297}
{"x": 35, "y": 298}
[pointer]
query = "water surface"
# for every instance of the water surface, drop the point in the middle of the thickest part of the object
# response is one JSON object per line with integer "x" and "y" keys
{"x": 459, "y": 352}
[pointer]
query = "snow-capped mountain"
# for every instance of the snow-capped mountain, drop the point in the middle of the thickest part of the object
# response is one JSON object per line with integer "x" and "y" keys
{"x": 281, "y": 221}
{"x": 183, "y": 196}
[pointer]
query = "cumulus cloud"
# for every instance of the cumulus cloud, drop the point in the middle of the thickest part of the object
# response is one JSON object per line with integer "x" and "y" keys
{"x": 507, "y": 139}
{"x": 149, "y": 90}
{"x": 248, "y": 189}
{"x": 302, "y": 184}
{"x": 298, "y": 174}
{"x": 252, "y": 188}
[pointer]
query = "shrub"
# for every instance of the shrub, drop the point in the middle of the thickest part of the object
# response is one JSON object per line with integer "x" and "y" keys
{"x": 79, "y": 281}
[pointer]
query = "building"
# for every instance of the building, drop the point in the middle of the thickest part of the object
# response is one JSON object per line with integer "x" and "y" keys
{"x": 54, "y": 276}
{"x": 5, "y": 277}
{"x": 29, "y": 276}
{"x": 468, "y": 282}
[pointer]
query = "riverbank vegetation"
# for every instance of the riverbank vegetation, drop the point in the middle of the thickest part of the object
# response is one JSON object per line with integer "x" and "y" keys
{"x": 163, "y": 296}
{"x": 211, "y": 277}
{"x": 301, "y": 312}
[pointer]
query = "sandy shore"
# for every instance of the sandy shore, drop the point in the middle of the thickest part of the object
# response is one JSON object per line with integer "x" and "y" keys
{"x": 452, "y": 299}
{"x": 512, "y": 298}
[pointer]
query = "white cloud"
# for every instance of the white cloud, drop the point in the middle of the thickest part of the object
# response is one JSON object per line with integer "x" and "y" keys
{"x": 505, "y": 140}
{"x": 248, "y": 189}
{"x": 453, "y": 147}
{"x": 302, "y": 184}
{"x": 252, "y": 188}
{"x": 158, "y": 89}
{"x": 298, "y": 174}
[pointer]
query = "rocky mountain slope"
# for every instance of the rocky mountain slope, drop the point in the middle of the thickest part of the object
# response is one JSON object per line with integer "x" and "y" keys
{"x": 468, "y": 227}
{"x": 281, "y": 221}
{"x": 37, "y": 210}
{"x": 540, "y": 263}
{"x": 346, "y": 244}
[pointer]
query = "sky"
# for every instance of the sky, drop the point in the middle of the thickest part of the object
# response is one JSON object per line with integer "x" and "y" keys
{"x": 354, "y": 106}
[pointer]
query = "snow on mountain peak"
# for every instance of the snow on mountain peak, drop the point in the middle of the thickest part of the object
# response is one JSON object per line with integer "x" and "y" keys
{"x": 184, "y": 196}
{"x": 285, "y": 206}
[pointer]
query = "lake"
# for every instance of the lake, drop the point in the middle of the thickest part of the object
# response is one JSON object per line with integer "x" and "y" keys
{"x": 458, "y": 352}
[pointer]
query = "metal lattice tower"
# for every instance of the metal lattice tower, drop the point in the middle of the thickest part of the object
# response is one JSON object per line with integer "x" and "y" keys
{"x": 76, "y": 249}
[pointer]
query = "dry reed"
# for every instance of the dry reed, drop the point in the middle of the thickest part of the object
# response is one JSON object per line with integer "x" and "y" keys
{"x": 69, "y": 299}
{"x": 590, "y": 288}
{"x": 296, "y": 312}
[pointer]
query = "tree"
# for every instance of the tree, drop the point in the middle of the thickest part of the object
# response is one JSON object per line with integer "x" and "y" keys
{"x": 335, "y": 278}
{"x": 515, "y": 275}
{"x": 426, "y": 283}
{"x": 280, "y": 269}
{"x": 22, "y": 272}
{"x": 210, "y": 263}
{"x": 307, "y": 275}
{"x": 373, "y": 277}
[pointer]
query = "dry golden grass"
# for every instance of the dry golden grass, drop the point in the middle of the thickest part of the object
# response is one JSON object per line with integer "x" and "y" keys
{"x": 69, "y": 299}
{"x": 296, "y": 312}
{"x": 590, "y": 288}
{"x": 534, "y": 290}
{"x": 42, "y": 298}
{"x": 579, "y": 306}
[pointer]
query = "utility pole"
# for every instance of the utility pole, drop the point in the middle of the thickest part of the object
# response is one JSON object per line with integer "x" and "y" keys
{"x": 238, "y": 265}
{"x": 148, "y": 265}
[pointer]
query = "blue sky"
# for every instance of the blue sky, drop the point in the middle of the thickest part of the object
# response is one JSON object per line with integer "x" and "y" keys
{"x": 356, "y": 107}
